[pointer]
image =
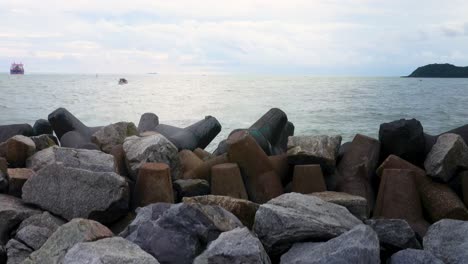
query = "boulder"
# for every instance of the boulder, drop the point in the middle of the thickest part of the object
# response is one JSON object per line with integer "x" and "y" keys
{"x": 321, "y": 150}
{"x": 356, "y": 170}
{"x": 17, "y": 149}
{"x": 403, "y": 138}
{"x": 242, "y": 209}
{"x": 8, "y": 131}
{"x": 91, "y": 160}
{"x": 112, "y": 135}
{"x": 358, "y": 245}
{"x": 72, "y": 193}
{"x": 294, "y": 217}
{"x": 108, "y": 250}
{"x": 16, "y": 180}
{"x": 17, "y": 252}
{"x": 394, "y": 162}
{"x": 74, "y": 139}
{"x": 187, "y": 227}
{"x": 226, "y": 179}
{"x": 35, "y": 230}
{"x": 148, "y": 122}
{"x": 356, "y": 205}
{"x": 237, "y": 246}
{"x": 188, "y": 161}
{"x": 119, "y": 157}
{"x": 148, "y": 213}
{"x": 191, "y": 187}
{"x": 449, "y": 154}
{"x": 308, "y": 179}
{"x": 42, "y": 127}
{"x": 44, "y": 141}
{"x": 12, "y": 212}
{"x": 414, "y": 256}
{"x": 448, "y": 241}
{"x": 3, "y": 175}
{"x": 65, "y": 237}
{"x": 153, "y": 185}
{"x": 154, "y": 148}
{"x": 465, "y": 189}
{"x": 261, "y": 181}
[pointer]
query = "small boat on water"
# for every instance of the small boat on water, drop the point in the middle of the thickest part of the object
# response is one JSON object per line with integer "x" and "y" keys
{"x": 123, "y": 81}
{"x": 16, "y": 68}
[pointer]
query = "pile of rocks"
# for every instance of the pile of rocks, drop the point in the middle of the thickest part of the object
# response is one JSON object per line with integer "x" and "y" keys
{"x": 150, "y": 193}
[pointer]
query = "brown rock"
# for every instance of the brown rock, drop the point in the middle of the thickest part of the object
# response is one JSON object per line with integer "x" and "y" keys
{"x": 119, "y": 157}
{"x": 188, "y": 161}
{"x": 262, "y": 182}
{"x": 357, "y": 168}
{"x": 202, "y": 154}
{"x": 153, "y": 184}
{"x": 356, "y": 205}
{"x": 204, "y": 170}
{"x": 281, "y": 167}
{"x": 398, "y": 198}
{"x": 308, "y": 179}
{"x": 395, "y": 162}
{"x": 17, "y": 149}
{"x": 226, "y": 180}
{"x": 16, "y": 180}
{"x": 242, "y": 209}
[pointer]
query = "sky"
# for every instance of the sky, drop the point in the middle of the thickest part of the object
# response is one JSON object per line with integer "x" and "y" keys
{"x": 305, "y": 37}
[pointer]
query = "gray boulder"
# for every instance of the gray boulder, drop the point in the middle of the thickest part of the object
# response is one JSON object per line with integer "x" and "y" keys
{"x": 359, "y": 245}
{"x": 151, "y": 212}
{"x": 112, "y": 135}
{"x": 17, "y": 252}
{"x": 295, "y": 217}
{"x": 108, "y": 250}
{"x": 12, "y": 212}
{"x": 356, "y": 205}
{"x": 85, "y": 159}
{"x": 153, "y": 148}
{"x": 448, "y": 240}
{"x": 148, "y": 122}
{"x": 76, "y": 231}
{"x": 414, "y": 256}
{"x": 237, "y": 246}
{"x": 43, "y": 142}
{"x": 447, "y": 156}
{"x": 72, "y": 193}
{"x": 182, "y": 231}
{"x": 35, "y": 230}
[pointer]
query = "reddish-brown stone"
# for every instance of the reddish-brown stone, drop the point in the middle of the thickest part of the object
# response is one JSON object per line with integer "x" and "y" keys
{"x": 17, "y": 149}
{"x": 188, "y": 161}
{"x": 308, "y": 179}
{"x": 204, "y": 170}
{"x": 262, "y": 182}
{"x": 202, "y": 154}
{"x": 119, "y": 157}
{"x": 395, "y": 162}
{"x": 16, "y": 180}
{"x": 356, "y": 169}
{"x": 226, "y": 180}
{"x": 398, "y": 198}
{"x": 281, "y": 167}
{"x": 153, "y": 184}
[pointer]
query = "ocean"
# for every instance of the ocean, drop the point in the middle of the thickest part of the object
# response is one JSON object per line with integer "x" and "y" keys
{"x": 316, "y": 105}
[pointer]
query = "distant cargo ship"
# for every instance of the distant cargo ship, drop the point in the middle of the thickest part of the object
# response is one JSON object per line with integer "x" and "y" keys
{"x": 16, "y": 68}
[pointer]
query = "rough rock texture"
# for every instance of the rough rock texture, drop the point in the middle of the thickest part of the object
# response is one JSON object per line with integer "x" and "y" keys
{"x": 17, "y": 149}
{"x": 191, "y": 187}
{"x": 35, "y": 230}
{"x": 112, "y": 135}
{"x": 85, "y": 159}
{"x": 237, "y": 246}
{"x": 448, "y": 155}
{"x": 448, "y": 241}
{"x": 42, "y": 126}
{"x": 321, "y": 150}
{"x": 243, "y": 209}
{"x": 8, "y": 131}
{"x": 188, "y": 227}
{"x": 17, "y": 178}
{"x": 108, "y": 250}
{"x": 153, "y": 148}
{"x": 43, "y": 142}
{"x": 12, "y": 212}
{"x": 359, "y": 245}
{"x": 294, "y": 217}
{"x": 403, "y": 138}
{"x": 17, "y": 252}
{"x": 414, "y": 256}
{"x": 73, "y": 193}
{"x": 145, "y": 214}
{"x": 148, "y": 122}
{"x": 76, "y": 231}
{"x": 356, "y": 205}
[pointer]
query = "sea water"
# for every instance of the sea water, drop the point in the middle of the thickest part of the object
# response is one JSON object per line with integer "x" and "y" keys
{"x": 316, "y": 105}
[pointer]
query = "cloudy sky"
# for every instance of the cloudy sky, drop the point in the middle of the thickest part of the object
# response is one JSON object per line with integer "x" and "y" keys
{"x": 326, "y": 37}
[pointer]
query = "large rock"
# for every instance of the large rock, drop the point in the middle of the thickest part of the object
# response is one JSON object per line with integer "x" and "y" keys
{"x": 191, "y": 187}
{"x": 448, "y": 241}
{"x": 44, "y": 141}
{"x": 35, "y": 230}
{"x": 72, "y": 193}
{"x": 108, "y": 250}
{"x": 182, "y": 231}
{"x": 403, "y": 138}
{"x": 242, "y": 209}
{"x": 92, "y": 160}
{"x": 112, "y": 135}
{"x": 17, "y": 149}
{"x": 449, "y": 154}
{"x": 356, "y": 205}
{"x": 3, "y": 175}
{"x": 3, "y": 255}
{"x": 414, "y": 256}
{"x": 153, "y": 148}
{"x": 64, "y": 238}
{"x": 359, "y": 245}
{"x": 321, "y": 150}
{"x": 237, "y": 246}
{"x": 148, "y": 122}
{"x": 294, "y": 217}
{"x": 17, "y": 252}
{"x": 148, "y": 213}
{"x": 41, "y": 127}
{"x": 17, "y": 178}
{"x": 8, "y": 131}
{"x": 12, "y": 212}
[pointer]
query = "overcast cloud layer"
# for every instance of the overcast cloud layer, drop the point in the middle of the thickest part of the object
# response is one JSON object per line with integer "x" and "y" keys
{"x": 327, "y": 37}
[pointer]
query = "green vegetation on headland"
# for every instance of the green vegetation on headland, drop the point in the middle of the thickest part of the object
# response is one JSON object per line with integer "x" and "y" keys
{"x": 440, "y": 71}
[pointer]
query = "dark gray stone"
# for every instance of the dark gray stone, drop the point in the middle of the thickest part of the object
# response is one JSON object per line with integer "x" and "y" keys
{"x": 191, "y": 187}
{"x": 148, "y": 213}
{"x": 148, "y": 122}
{"x": 8, "y": 131}
{"x": 17, "y": 252}
{"x": 35, "y": 230}
{"x": 3, "y": 255}
{"x": 41, "y": 127}
{"x": 414, "y": 256}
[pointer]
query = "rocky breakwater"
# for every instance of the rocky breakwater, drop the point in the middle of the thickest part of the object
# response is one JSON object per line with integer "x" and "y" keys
{"x": 150, "y": 193}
